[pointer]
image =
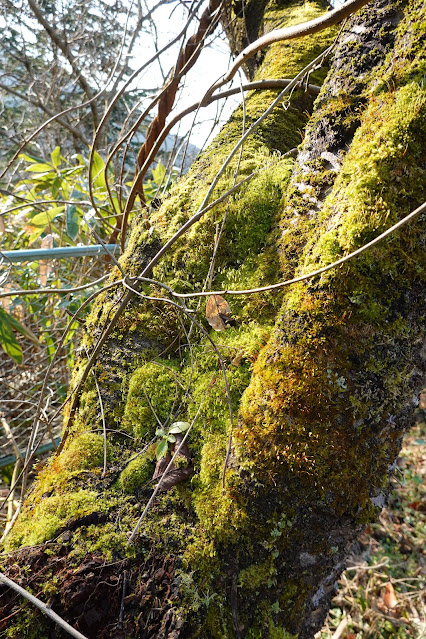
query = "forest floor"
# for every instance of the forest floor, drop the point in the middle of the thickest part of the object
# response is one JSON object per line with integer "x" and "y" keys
{"x": 382, "y": 593}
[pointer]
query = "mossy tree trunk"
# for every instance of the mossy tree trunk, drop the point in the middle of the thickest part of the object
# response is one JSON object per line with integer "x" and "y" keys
{"x": 323, "y": 376}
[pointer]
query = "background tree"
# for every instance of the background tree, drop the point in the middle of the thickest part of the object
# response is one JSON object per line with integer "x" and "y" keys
{"x": 51, "y": 61}
{"x": 322, "y": 377}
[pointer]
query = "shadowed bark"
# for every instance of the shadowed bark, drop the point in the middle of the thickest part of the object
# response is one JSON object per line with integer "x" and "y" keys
{"x": 323, "y": 376}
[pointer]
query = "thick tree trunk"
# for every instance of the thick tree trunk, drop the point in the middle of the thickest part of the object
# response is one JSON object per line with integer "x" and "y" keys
{"x": 323, "y": 377}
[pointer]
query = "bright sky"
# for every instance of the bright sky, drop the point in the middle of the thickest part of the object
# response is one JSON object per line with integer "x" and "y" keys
{"x": 212, "y": 63}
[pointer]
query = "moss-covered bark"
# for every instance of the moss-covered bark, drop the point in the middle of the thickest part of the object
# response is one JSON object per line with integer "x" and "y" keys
{"x": 323, "y": 377}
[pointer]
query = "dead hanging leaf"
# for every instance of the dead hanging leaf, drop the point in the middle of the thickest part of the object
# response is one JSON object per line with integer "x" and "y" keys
{"x": 175, "y": 475}
{"x": 6, "y": 302}
{"x": 238, "y": 358}
{"x": 46, "y": 265}
{"x": 218, "y": 313}
{"x": 389, "y": 597}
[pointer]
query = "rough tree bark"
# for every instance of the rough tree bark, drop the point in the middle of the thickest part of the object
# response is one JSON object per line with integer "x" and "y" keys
{"x": 323, "y": 377}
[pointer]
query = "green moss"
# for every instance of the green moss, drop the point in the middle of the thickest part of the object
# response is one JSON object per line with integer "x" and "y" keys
{"x": 154, "y": 389}
{"x": 279, "y": 633}
{"x": 248, "y": 222}
{"x": 41, "y": 521}
{"x": 106, "y": 539}
{"x": 136, "y": 474}
{"x": 84, "y": 452}
{"x": 257, "y": 575}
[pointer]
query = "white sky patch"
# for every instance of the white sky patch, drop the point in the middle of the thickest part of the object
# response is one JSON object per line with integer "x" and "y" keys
{"x": 212, "y": 63}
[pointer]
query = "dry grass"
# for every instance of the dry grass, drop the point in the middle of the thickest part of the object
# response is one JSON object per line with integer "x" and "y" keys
{"x": 382, "y": 593}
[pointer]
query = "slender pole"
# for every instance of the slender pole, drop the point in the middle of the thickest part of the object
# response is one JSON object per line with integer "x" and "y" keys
{"x": 90, "y": 250}
{"x": 42, "y": 606}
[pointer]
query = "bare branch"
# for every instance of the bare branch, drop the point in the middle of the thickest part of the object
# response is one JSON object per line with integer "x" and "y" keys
{"x": 52, "y": 291}
{"x": 73, "y": 130}
{"x": 63, "y": 46}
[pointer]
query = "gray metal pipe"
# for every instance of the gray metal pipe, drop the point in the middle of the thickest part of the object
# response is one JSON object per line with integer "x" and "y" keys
{"x": 30, "y": 255}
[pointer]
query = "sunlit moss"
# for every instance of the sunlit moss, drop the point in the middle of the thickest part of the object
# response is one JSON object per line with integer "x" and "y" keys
{"x": 136, "y": 474}
{"x": 41, "y": 522}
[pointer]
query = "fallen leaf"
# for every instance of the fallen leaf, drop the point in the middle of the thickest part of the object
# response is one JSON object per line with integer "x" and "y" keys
{"x": 420, "y": 506}
{"x": 218, "y": 313}
{"x": 238, "y": 358}
{"x": 389, "y": 597}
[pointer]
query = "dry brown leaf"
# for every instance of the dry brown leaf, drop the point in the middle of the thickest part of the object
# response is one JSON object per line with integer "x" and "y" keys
{"x": 218, "y": 312}
{"x": 238, "y": 358}
{"x": 7, "y": 301}
{"x": 46, "y": 265}
{"x": 389, "y": 597}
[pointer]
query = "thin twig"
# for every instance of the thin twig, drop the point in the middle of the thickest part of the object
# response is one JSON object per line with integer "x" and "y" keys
{"x": 341, "y": 628}
{"x": 408, "y": 218}
{"x": 11, "y": 438}
{"x": 51, "y": 291}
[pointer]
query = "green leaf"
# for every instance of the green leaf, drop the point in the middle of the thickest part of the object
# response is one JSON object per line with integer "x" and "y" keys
{"x": 42, "y": 220}
{"x": 149, "y": 190}
{"x": 158, "y": 173}
{"x": 40, "y": 167}
{"x": 71, "y": 332}
{"x": 6, "y": 318}
{"x": 116, "y": 206}
{"x": 160, "y": 432}
{"x": 162, "y": 448}
{"x": 97, "y": 173}
{"x": 179, "y": 427}
{"x": 34, "y": 236}
{"x": 30, "y": 158}
{"x": 72, "y": 221}
{"x": 65, "y": 239}
{"x": 8, "y": 341}
{"x": 56, "y": 157}
{"x": 171, "y": 438}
